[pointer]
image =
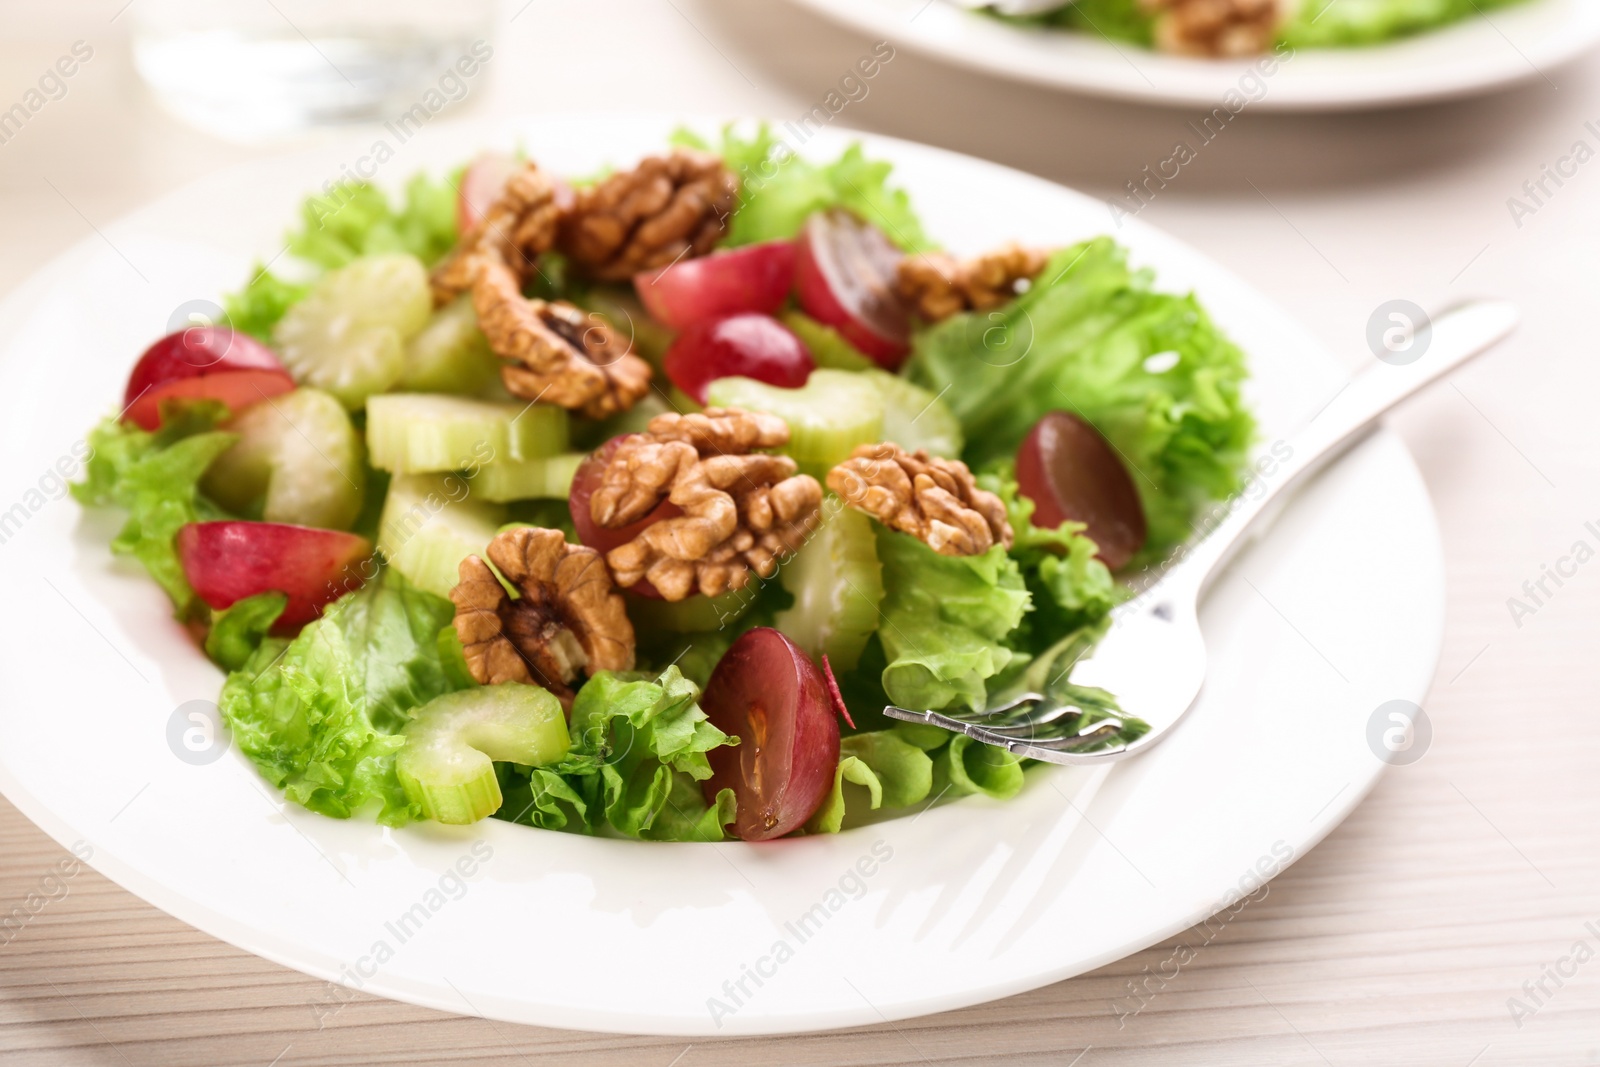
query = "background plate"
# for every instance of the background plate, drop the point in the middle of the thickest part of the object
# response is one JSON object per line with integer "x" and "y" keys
{"x": 1339, "y": 610}
{"x": 1499, "y": 49}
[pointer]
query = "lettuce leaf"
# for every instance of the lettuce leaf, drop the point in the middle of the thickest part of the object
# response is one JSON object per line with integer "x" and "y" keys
{"x": 1115, "y": 20}
{"x": 895, "y": 773}
{"x": 638, "y": 755}
{"x": 779, "y": 189}
{"x": 1069, "y": 586}
{"x": 1345, "y": 23}
{"x": 320, "y": 715}
{"x": 354, "y": 219}
{"x": 349, "y": 220}
{"x": 155, "y": 477}
{"x": 257, "y": 307}
{"x": 946, "y": 621}
{"x": 1081, "y": 339}
{"x": 237, "y": 632}
{"x": 965, "y": 766}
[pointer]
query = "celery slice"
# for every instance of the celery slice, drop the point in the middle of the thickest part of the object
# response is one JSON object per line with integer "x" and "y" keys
{"x": 837, "y": 585}
{"x": 453, "y": 742}
{"x": 412, "y": 433}
{"x": 297, "y": 460}
{"x": 828, "y": 416}
{"x": 430, "y": 524}
{"x": 528, "y": 479}
{"x": 827, "y": 345}
{"x": 348, "y": 335}
{"x": 691, "y": 615}
{"x": 914, "y": 417}
{"x": 450, "y": 355}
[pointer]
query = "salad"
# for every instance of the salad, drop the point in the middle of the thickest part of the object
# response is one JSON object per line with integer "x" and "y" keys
{"x": 622, "y": 504}
{"x": 1251, "y": 27}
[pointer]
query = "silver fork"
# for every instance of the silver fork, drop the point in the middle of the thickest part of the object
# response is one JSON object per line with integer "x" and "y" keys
{"x": 1153, "y": 659}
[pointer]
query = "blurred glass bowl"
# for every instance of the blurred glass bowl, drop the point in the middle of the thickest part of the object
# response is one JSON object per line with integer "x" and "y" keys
{"x": 248, "y": 70}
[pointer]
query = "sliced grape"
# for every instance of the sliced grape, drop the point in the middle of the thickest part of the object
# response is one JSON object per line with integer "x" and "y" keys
{"x": 1073, "y": 474}
{"x": 297, "y": 461}
{"x": 453, "y": 742}
{"x": 844, "y": 278}
{"x": 746, "y": 345}
{"x": 482, "y": 184}
{"x": 430, "y": 524}
{"x": 527, "y": 479}
{"x": 828, "y": 417}
{"x": 753, "y": 278}
{"x": 768, "y": 693}
{"x": 915, "y": 418}
{"x": 691, "y": 615}
{"x": 228, "y": 561}
{"x": 837, "y": 584}
{"x": 450, "y": 354}
{"x": 348, "y": 335}
{"x": 203, "y": 362}
{"x": 411, "y": 433}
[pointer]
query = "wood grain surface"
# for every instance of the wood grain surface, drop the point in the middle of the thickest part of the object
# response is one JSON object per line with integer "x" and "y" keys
{"x": 1460, "y": 889}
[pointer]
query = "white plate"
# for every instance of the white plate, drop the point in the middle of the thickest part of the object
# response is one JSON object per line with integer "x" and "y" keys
{"x": 1473, "y": 56}
{"x": 967, "y": 902}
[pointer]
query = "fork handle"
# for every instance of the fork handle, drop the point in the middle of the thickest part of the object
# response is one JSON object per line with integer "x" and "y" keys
{"x": 1436, "y": 349}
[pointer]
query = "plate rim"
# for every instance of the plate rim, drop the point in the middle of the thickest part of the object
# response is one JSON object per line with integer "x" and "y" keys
{"x": 241, "y": 935}
{"x": 1462, "y": 82}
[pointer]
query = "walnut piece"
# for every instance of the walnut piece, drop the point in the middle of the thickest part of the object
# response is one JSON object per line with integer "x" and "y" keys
{"x": 518, "y": 227}
{"x": 557, "y": 354}
{"x": 569, "y": 618}
{"x": 934, "y": 500}
{"x": 665, "y": 209}
{"x": 1214, "y": 27}
{"x": 742, "y": 512}
{"x": 937, "y": 286}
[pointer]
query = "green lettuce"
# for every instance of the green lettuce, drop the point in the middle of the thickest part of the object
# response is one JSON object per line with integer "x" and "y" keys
{"x": 156, "y": 478}
{"x": 946, "y": 622}
{"x": 237, "y": 632}
{"x": 257, "y": 307}
{"x": 1345, "y": 23}
{"x": 1070, "y": 587}
{"x": 779, "y": 189}
{"x": 320, "y": 715}
{"x": 637, "y": 760}
{"x": 965, "y": 766}
{"x": 355, "y": 219}
{"x": 1081, "y": 339}
{"x": 1115, "y": 20}
{"x": 349, "y": 220}
{"x": 895, "y": 774}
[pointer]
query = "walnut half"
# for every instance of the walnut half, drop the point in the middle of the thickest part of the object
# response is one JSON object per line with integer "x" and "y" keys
{"x": 665, "y": 209}
{"x": 742, "y": 511}
{"x": 569, "y": 619}
{"x": 934, "y": 500}
{"x": 937, "y": 286}
{"x": 556, "y": 353}
{"x": 1214, "y": 27}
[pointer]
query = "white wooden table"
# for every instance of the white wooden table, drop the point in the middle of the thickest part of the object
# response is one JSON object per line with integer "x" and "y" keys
{"x": 1403, "y": 938}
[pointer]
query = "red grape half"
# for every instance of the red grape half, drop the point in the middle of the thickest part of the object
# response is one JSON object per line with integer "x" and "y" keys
{"x": 770, "y": 694}
{"x": 1071, "y": 473}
